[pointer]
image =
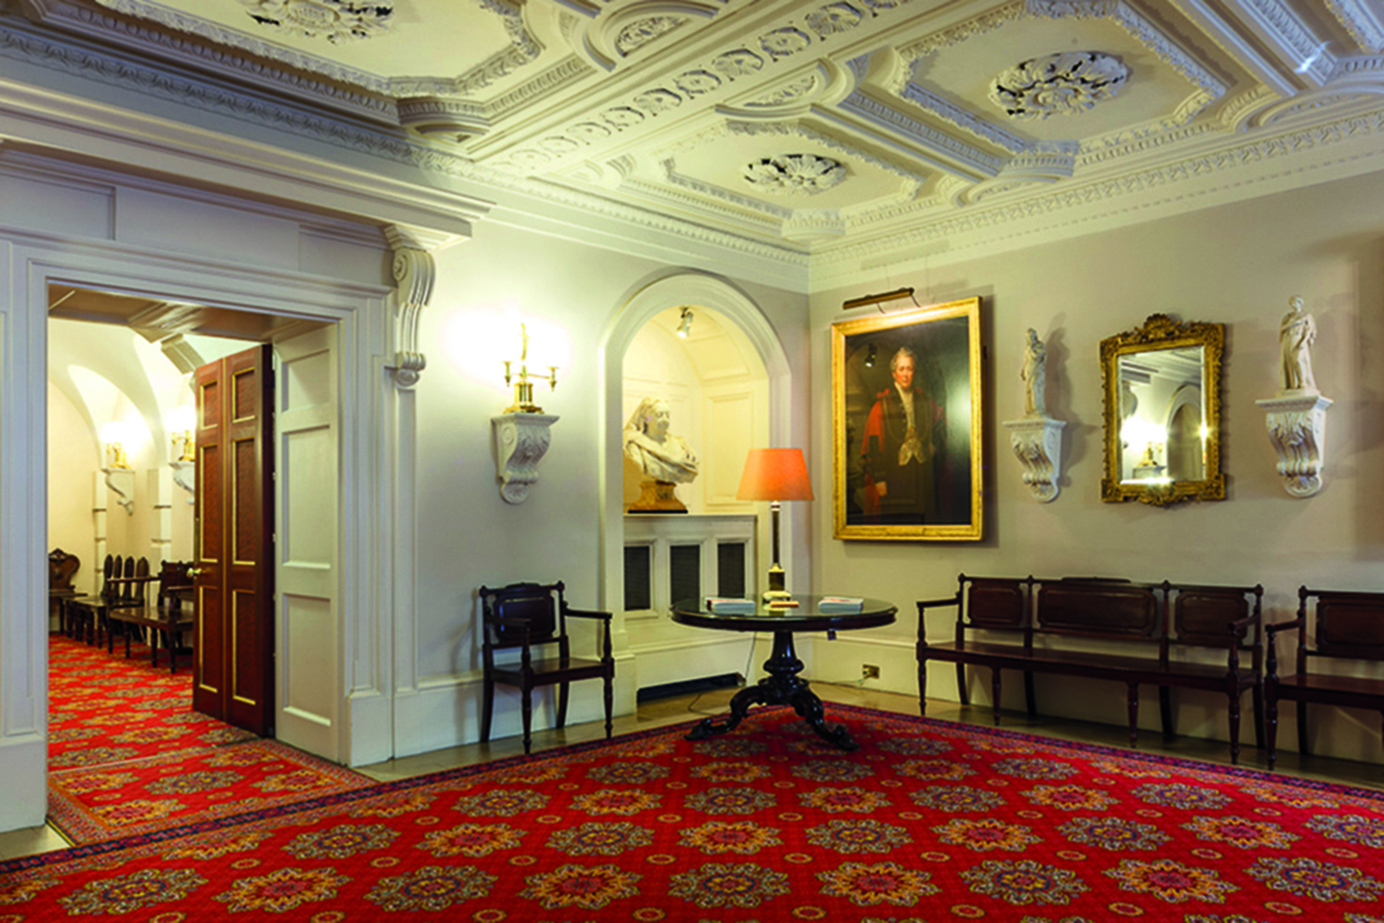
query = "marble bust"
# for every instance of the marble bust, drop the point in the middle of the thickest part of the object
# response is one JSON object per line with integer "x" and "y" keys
{"x": 664, "y": 459}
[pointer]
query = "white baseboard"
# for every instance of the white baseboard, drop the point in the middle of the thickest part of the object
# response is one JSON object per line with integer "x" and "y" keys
{"x": 24, "y": 767}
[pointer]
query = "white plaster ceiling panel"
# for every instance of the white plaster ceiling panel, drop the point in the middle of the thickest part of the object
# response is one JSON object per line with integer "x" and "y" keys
{"x": 964, "y": 74}
{"x": 392, "y": 48}
{"x": 718, "y": 160}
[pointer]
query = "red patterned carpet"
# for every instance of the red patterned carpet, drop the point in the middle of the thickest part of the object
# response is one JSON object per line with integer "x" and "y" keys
{"x": 928, "y": 821}
{"x": 103, "y": 708}
{"x": 128, "y": 755}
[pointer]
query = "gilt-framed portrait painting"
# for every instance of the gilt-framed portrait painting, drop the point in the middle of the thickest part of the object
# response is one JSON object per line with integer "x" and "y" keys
{"x": 906, "y": 424}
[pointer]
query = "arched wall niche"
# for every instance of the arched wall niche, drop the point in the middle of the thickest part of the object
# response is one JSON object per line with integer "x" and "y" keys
{"x": 746, "y": 324}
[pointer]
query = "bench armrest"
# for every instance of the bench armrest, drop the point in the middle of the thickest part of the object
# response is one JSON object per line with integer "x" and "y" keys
{"x": 1274, "y": 627}
{"x": 930, "y": 603}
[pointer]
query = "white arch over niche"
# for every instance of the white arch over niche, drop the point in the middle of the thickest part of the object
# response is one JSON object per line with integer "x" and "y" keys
{"x": 694, "y": 289}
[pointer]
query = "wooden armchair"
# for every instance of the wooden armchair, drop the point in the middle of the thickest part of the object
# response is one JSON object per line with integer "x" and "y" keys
{"x": 526, "y": 616}
{"x": 1349, "y": 631}
{"x": 61, "y": 568}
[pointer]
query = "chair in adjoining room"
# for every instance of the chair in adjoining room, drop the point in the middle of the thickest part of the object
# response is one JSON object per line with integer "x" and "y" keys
{"x": 166, "y": 619}
{"x": 527, "y": 616}
{"x": 86, "y": 613}
{"x": 61, "y": 568}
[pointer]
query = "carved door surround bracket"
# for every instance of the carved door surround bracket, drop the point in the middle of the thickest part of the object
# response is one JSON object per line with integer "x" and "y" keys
{"x": 414, "y": 272}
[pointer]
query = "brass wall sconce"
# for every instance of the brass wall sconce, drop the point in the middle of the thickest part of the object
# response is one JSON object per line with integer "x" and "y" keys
{"x": 523, "y": 381}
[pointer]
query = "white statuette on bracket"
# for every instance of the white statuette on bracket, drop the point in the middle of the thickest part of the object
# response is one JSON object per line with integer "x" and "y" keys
{"x": 1296, "y": 416}
{"x": 521, "y": 441}
{"x": 1037, "y": 438}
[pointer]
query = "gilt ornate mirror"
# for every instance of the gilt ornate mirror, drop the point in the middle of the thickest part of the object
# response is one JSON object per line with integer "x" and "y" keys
{"x": 1163, "y": 412}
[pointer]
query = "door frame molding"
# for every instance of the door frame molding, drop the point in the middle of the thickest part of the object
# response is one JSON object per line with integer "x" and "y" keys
{"x": 362, "y": 315}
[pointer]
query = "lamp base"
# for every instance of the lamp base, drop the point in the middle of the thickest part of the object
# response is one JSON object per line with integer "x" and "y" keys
{"x": 776, "y": 590}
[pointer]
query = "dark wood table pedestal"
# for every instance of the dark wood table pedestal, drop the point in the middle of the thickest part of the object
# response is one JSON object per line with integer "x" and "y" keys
{"x": 783, "y": 686}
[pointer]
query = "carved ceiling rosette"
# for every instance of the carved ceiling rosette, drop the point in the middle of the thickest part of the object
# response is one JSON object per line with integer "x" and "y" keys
{"x": 787, "y": 174}
{"x": 335, "y": 20}
{"x": 1058, "y": 84}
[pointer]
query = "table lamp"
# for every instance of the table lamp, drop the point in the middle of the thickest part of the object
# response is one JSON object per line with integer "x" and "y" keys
{"x": 775, "y": 475}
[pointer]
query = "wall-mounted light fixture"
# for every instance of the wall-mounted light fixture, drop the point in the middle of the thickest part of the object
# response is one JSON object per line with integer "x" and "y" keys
{"x": 523, "y": 381}
{"x": 685, "y": 325}
{"x": 866, "y": 300}
{"x": 522, "y": 432}
{"x": 180, "y": 422}
{"x": 119, "y": 476}
{"x": 112, "y": 437}
{"x": 182, "y": 457}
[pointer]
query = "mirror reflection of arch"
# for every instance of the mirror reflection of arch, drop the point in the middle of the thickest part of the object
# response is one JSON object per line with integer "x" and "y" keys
{"x": 1162, "y": 434}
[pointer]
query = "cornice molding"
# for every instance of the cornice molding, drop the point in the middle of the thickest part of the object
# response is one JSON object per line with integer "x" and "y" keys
{"x": 1117, "y": 195}
{"x": 341, "y": 90}
{"x": 1363, "y": 24}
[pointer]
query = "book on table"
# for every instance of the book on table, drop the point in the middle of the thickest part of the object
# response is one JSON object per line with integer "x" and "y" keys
{"x": 728, "y": 606}
{"x": 840, "y": 604}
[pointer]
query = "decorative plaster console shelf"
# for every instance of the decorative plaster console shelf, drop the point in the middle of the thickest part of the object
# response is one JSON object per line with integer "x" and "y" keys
{"x": 1297, "y": 429}
{"x": 121, "y": 482}
{"x": 184, "y": 475}
{"x": 1037, "y": 443}
{"x": 521, "y": 441}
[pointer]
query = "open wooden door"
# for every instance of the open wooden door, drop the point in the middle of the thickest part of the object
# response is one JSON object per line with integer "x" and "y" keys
{"x": 233, "y": 672}
{"x": 308, "y": 681}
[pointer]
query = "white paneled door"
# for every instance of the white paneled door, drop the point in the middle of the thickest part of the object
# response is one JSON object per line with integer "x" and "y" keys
{"x": 307, "y": 617}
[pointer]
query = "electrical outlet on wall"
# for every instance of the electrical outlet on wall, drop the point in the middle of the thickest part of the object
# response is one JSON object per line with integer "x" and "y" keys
{"x": 869, "y": 671}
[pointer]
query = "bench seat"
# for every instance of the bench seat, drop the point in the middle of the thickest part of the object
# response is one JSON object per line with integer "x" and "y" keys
{"x": 1027, "y": 625}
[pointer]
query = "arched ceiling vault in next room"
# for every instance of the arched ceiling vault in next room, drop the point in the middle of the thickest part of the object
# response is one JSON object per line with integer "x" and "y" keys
{"x": 811, "y": 125}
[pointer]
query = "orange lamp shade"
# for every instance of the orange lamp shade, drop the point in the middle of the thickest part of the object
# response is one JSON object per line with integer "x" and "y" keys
{"x": 775, "y": 474}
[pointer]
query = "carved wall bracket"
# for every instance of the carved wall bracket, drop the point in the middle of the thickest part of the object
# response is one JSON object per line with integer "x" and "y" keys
{"x": 121, "y": 482}
{"x": 1297, "y": 429}
{"x": 414, "y": 272}
{"x": 184, "y": 476}
{"x": 1037, "y": 443}
{"x": 521, "y": 441}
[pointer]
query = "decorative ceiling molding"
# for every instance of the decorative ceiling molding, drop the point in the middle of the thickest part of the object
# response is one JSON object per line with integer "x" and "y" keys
{"x": 963, "y": 119}
{"x": 1065, "y": 83}
{"x": 933, "y": 144}
{"x": 333, "y": 20}
{"x": 332, "y": 91}
{"x": 1116, "y": 196}
{"x": 1361, "y": 22}
{"x": 794, "y": 174}
{"x": 775, "y": 44}
{"x": 1209, "y": 88}
{"x": 1289, "y": 39}
{"x": 643, "y": 31}
{"x": 267, "y": 49}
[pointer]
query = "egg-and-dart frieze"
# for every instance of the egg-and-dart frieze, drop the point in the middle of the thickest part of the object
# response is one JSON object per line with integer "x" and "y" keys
{"x": 826, "y": 21}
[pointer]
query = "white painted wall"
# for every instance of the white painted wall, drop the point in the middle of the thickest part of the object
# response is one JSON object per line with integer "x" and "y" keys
{"x": 1236, "y": 264}
{"x": 467, "y": 535}
{"x": 72, "y": 455}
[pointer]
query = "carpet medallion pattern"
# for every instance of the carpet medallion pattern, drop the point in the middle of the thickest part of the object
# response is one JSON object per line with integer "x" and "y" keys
{"x": 928, "y": 821}
{"x": 128, "y": 755}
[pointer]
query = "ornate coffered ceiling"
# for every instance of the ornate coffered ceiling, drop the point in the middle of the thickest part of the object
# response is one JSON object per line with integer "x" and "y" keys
{"x": 810, "y": 125}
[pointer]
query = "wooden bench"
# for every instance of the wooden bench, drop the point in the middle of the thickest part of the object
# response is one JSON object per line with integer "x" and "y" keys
{"x": 1037, "y": 626}
{"x": 166, "y": 618}
{"x": 1348, "y": 627}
